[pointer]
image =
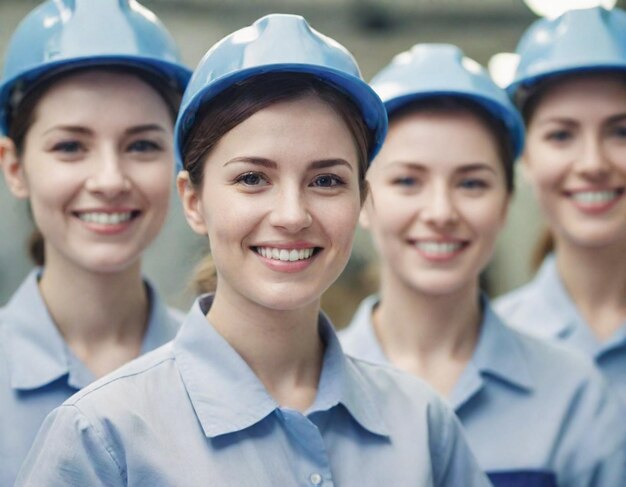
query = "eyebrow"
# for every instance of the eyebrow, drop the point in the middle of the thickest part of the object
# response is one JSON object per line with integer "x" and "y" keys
{"x": 465, "y": 168}
{"x": 616, "y": 118}
{"x": 78, "y": 129}
{"x": 270, "y": 164}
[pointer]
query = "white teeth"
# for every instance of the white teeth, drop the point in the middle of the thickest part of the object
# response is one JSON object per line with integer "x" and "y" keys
{"x": 440, "y": 248}
{"x": 285, "y": 255}
{"x": 105, "y": 218}
{"x": 594, "y": 196}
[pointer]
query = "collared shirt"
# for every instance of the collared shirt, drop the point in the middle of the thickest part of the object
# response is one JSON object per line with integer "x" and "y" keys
{"x": 534, "y": 414}
{"x": 193, "y": 413}
{"x": 38, "y": 371}
{"x": 544, "y": 308}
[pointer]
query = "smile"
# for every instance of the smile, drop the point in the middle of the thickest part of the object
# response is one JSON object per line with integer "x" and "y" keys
{"x": 285, "y": 255}
{"x": 107, "y": 218}
{"x": 591, "y": 197}
{"x": 439, "y": 248}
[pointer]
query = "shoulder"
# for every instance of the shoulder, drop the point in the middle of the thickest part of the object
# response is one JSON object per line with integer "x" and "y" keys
{"x": 553, "y": 365}
{"x": 517, "y": 301}
{"x": 126, "y": 382}
{"x": 395, "y": 388}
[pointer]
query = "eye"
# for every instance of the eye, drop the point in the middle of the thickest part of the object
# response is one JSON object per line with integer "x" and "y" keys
{"x": 144, "y": 145}
{"x": 327, "y": 181}
{"x": 473, "y": 184}
{"x": 68, "y": 147}
{"x": 559, "y": 135}
{"x": 407, "y": 181}
{"x": 252, "y": 179}
{"x": 618, "y": 131}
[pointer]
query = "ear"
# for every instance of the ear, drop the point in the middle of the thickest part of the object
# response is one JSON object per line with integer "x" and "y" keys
{"x": 12, "y": 169}
{"x": 192, "y": 204}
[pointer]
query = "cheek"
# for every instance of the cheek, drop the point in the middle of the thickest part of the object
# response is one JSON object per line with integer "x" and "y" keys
{"x": 487, "y": 216}
{"x": 339, "y": 217}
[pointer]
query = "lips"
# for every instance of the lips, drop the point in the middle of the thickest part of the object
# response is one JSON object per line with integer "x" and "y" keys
{"x": 602, "y": 196}
{"x": 439, "y": 250}
{"x": 595, "y": 200}
{"x": 106, "y": 217}
{"x": 286, "y": 254}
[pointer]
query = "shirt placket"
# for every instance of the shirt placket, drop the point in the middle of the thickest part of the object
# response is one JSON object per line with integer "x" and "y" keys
{"x": 313, "y": 469}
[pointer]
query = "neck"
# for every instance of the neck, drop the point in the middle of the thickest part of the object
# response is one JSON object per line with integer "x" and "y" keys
{"x": 596, "y": 281}
{"x": 102, "y": 317}
{"x": 283, "y": 348}
{"x": 432, "y": 336}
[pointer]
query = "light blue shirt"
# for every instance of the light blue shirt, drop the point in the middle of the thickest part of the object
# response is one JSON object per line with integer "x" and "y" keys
{"x": 534, "y": 414}
{"x": 544, "y": 308}
{"x": 193, "y": 413}
{"x": 38, "y": 371}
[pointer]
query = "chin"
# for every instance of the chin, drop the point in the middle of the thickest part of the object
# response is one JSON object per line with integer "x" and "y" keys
{"x": 287, "y": 298}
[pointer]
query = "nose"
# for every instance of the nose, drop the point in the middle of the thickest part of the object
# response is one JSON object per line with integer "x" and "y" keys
{"x": 290, "y": 211}
{"x": 108, "y": 176}
{"x": 438, "y": 208}
{"x": 593, "y": 162}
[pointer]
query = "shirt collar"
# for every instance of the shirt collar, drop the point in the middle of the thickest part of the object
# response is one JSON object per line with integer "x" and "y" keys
{"x": 36, "y": 350}
{"x": 554, "y": 305}
{"x": 499, "y": 352}
{"x": 359, "y": 338}
{"x": 227, "y": 396}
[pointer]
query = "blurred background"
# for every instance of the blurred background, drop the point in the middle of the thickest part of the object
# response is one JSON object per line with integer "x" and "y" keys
{"x": 374, "y": 31}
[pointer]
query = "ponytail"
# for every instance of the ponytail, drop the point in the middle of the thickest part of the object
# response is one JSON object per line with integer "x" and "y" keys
{"x": 205, "y": 276}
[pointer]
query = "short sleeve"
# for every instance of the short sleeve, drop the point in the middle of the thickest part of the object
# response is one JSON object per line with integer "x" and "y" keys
{"x": 69, "y": 451}
{"x": 453, "y": 463}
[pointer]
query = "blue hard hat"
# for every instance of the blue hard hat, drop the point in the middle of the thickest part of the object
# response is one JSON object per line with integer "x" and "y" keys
{"x": 66, "y": 34}
{"x": 579, "y": 40}
{"x": 278, "y": 43}
{"x": 429, "y": 70}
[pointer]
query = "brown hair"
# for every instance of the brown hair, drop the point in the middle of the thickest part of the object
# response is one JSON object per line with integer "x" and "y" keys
{"x": 22, "y": 116}
{"x": 449, "y": 103}
{"x": 242, "y": 100}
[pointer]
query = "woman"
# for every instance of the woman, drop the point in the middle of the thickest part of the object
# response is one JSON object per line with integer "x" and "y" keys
{"x": 255, "y": 390}
{"x": 439, "y": 192}
{"x": 89, "y": 120}
{"x": 573, "y": 99}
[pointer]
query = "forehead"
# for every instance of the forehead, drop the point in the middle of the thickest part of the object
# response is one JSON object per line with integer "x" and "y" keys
{"x": 434, "y": 137}
{"x": 98, "y": 100}
{"x": 580, "y": 93}
{"x": 301, "y": 129}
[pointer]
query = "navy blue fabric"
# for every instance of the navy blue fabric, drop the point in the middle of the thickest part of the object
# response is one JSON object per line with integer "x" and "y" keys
{"x": 522, "y": 478}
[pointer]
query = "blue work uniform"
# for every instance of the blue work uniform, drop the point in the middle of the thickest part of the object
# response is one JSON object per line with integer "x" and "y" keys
{"x": 193, "y": 413}
{"x": 544, "y": 308}
{"x": 535, "y": 415}
{"x": 38, "y": 371}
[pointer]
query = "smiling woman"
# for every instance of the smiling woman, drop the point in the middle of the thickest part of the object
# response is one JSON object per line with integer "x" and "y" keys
{"x": 89, "y": 145}
{"x": 439, "y": 194}
{"x": 256, "y": 372}
{"x": 573, "y": 97}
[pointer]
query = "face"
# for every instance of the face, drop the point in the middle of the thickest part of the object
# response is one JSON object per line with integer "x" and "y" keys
{"x": 437, "y": 201}
{"x": 575, "y": 158}
{"x": 279, "y": 202}
{"x": 97, "y": 168}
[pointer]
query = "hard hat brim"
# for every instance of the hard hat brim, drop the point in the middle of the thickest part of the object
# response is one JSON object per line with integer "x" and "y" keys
{"x": 364, "y": 97}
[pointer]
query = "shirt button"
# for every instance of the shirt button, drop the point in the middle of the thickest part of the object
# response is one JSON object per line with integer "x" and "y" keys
{"x": 315, "y": 478}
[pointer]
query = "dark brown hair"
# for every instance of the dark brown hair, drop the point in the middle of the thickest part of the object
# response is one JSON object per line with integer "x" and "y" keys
{"x": 242, "y": 100}
{"x": 22, "y": 116}
{"x": 448, "y": 103}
